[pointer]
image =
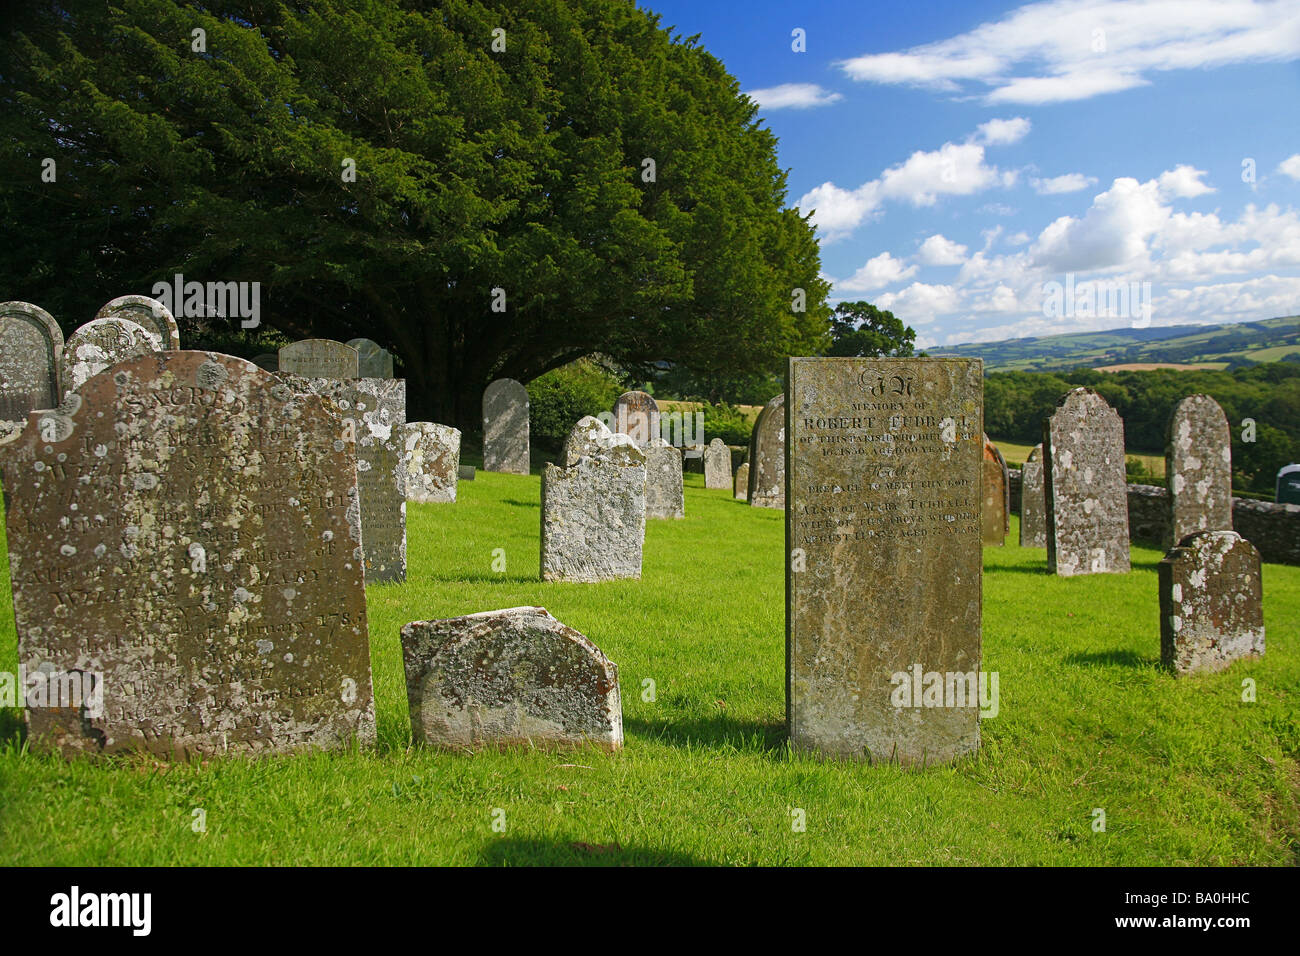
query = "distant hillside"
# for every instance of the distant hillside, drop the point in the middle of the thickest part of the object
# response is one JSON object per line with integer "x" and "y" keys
{"x": 1208, "y": 346}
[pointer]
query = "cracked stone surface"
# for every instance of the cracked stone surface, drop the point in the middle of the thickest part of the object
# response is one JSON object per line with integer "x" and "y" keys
{"x": 1198, "y": 469}
{"x": 505, "y": 427}
{"x": 767, "y": 456}
{"x": 186, "y": 527}
{"x": 1211, "y": 608}
{"x": 511, "y": 677}
{"x": 432, "y": 460}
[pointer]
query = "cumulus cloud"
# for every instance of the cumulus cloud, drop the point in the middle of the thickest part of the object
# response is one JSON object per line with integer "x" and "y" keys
{"x": 1290, "y": 167}
{"x": 1069, "y": 183}
{"x": 878, "y": 272}
{"x": 1183, "y": 182}
{"x": 1000, "y": 132}
{"x": 919, "y": 303}
{"x": 796, "y": 96}
{"x": 941, "y": 251}
{"x": 1064, "y": 50}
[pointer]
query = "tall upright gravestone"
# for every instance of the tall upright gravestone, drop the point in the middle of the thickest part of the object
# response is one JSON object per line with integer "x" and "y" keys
{"x": 31, "y": 351}
{"x": 505, "y": 427}
{"x": 1084, "y": 487}
{"x": 1198, "y": 469}
{"x": 636, "y": 414}
{"x": 717, "y": 465}
{"x": 767, "y": 456}
{"x": 995, "y": 519}
{"x": 320, "y": 358}
{"x": 432, "y": 462}
{"x": 664, "y": 494}
{"x": 1033, "y": 517}
{"x": 146, "y": 312}
{"x": 102, "y": 343}
{"x": 883, "y": 544}
{"x": 183, "y": 535}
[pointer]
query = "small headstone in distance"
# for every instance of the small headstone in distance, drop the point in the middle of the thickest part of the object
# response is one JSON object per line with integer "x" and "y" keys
{"x": 1211, "y": 610}
{"x": 505, "y": 427}
{"x": 717, "y": 465}
{"x": 767, "y": 456}
{"x": 636, "y": 414}
{"x": 1033, "y": 517}
{"x": 465, "y": 473}
{"x": 373, "y": 360}
{"x": 664, "y": 495}
{"x": 995, "y": 488}
{"x": 511, "y": 677}
{"x": 319, "y": 358}
{"x": 742, "y": 483}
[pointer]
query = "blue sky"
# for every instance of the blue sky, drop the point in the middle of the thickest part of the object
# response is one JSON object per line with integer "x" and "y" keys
{"x": 967, "y": 162}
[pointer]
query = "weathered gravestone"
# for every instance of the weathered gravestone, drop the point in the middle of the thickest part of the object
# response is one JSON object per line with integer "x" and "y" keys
{"x": 1287, "y": 491}
{"x": 267, "y": 361}
{"x": 183, "y": 530}
{"x": 996, "y": 491}
{"x": 717, "y": 465}
{"x": 1084, "y": 487}
{"x": 102, "y": 343}
{"x": 465, "y": 473}
{"x": 1198, "y": 469}
{"x": 593, "y": 509}
{"x": 664, "y": 495}
{"x": 883, "y": 543}
{"x": 505, "y": 427}
{"x": 636, "y": 414}
{"x": 767, "y": 456}
{"x": 741, "y": 488}
{"x": 373, "y": 360}
{"x": 1210, "y": 602}
{"x": 512, "y": 677}
{"x": 1033, "y": 517}
{"x": 432, "y": 462}
{"x": 31, "y": 351}
{"x": 319, "y": 358}
{"x": 146, "y": 312}
{"x": 374, "y": 416}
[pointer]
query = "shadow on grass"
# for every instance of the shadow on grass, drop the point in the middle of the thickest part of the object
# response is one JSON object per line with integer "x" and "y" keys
{"x": 521, "y": 504}
{"x": 720, "y": 731}
{"x": 507, "y": 851}
{"x": 1016, "y": 569}
{"x": 1112, "y": 658}
{"x": 454, "y": 578}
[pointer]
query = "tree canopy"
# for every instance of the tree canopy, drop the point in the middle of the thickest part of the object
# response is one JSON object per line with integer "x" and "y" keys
{"x": 860, "y": 329}
{"x": 484, "y": 160}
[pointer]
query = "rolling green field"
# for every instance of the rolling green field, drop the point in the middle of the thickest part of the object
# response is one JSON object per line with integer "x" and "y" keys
{"x": 1184, "y": 770}
{"x": 1015, "y": 454}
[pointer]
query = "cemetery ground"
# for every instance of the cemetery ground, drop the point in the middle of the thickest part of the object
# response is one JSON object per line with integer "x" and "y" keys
{"x": 1184, "y": 770}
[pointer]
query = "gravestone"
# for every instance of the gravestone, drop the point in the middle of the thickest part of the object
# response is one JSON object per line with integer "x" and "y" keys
{"x": 883, "y": 543}
{"x": 31, "y": 351}
{"x": 636, "y": 414}
{"x": 373, "y": 360}
{"x": 184, "y": 529}
{"x": 512, "y": 677}
{"x": 664, "y": 495}
{"x": 1084, "y": 487}
{"x": 432, "y": 462}
{"x": 374, "y": 415}
{"x": 1198, "y": 469}
{"x": 146, "y": 312}
{"x": 741, "y": 488}
{"x": 465, "y": 473}
{"x": 1210, "y": 602}
{"x": 101, "y": 343}
{"x": 319, "y": 358}
{"x": 1287, "y": 491}
{"x": 996, "y": 503}
{"x": 505, "y": 427}
{"x": 1033, "y": 517}
{"x": 593, "y": 508}
{"x": 267, "y": 361}
{"x": 767, "y": 456}
{"x": 717, "y": 465}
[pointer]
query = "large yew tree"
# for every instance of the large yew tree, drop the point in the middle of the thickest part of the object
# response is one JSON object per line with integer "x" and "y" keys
{"x": 476, "y": 169}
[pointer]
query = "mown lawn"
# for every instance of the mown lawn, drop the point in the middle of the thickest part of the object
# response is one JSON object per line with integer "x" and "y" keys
{"x": 1185, "y": 771}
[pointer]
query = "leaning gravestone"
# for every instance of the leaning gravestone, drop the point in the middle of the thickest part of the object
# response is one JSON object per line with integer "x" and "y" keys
{"x": 31, "y": 351}
{"x": 1033, "y": 519}
{"x": 183, "y": 528}
{"x": 505, "y": 427}
{"x": 996, "y": 490}
{"x": 636, "y": 414}
{"x": 373, "y": 360}
{"x": 432, "y": 462}
{"x": 374, "y": 416}
{"x": 512, "y": 677}
{"x": 101, "y": 343}
{"x": 883, "y": 542}
{"x": 146, "y": 312}
{"x": 1198, "y": 469}
{"x": 664, "y": 496}
{"x": 767, "y": 456}
{"x": 717, "y": 465}
{"x": 741, "y": 490}
{"x": 319, "y": 358}
{"x": 593, "y": 509}
{"x": 1084, "y": 487}
{"x": 1210, "y": 602}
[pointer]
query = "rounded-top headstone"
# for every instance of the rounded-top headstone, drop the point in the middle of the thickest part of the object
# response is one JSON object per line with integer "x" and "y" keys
{"x": 31, "y": 351}
{"x": 102, "y": 343}
{"x": 591, "y": 439}
{"x": 636, "y": 414}
{"x": 767, "y": 456}
{"x": 717, "y": 465}
{"x": 1288, "y": 485}
{"x": 1033, "y": 517}
{"x": 374, "y": 361}
{"x": 1198, "y": 468}
{"x": 150, "y": 313}
{"x": 505, "y": 427}
{"x": 996, "y": 504}
{"x": 320, "y": 358}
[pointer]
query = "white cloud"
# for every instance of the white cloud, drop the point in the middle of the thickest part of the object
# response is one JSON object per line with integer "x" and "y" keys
{"x": 1112, "y": 233}
{"x": 941, "y": 251}
{"x": 919, "y": 303}
{"x": 1290, "y": 166}
{"x": 1064, "y": 50}
{"x": 1183, "y": 182}
{"x": 838, "y": 211}
{"x": 1069, "y": 183}
{"x": 798, "y": 96}
{"x": 999, "y": 132}
{"x": 879, "y": 271}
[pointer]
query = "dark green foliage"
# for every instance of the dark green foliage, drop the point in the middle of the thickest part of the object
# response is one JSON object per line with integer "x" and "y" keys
{"x": 860, "y": 329}
{"x": 557, "y": 399}
{"x": 728, "y": 423}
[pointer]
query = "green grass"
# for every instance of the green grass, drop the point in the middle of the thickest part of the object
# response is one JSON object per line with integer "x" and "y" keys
{"x": 1186, "y": 772}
